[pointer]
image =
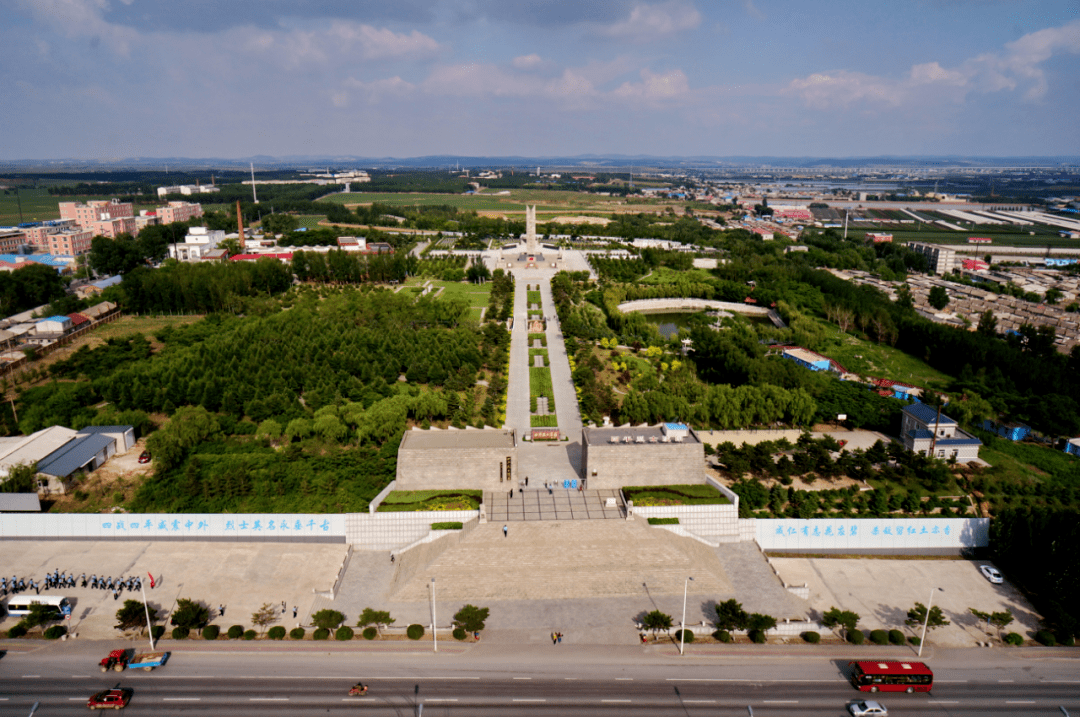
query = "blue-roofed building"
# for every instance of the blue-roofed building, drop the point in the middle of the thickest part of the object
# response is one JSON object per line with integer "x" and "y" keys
{"x": 1072, "y": 447}
{"x": 62, "y": 455}
{"x": 1012, "y": 431}
{"x": 62, "y": 264}
{"x": 924, "y": 431}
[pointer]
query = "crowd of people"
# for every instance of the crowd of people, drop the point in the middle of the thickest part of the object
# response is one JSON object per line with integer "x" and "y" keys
{"x": 60, "y": 580}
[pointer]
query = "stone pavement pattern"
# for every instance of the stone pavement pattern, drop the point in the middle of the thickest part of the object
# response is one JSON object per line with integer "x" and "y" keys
{"x": 560, "y": 504}
{"x": 568, "y": 560}
{"x": 242, "y": 576}
{"x": 755, "y": 584}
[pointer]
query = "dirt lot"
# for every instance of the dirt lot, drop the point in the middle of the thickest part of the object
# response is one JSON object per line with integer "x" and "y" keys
{"x": 881, "y": 591}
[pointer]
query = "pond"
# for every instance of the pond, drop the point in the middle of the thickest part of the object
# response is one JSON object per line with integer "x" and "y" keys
{"x": 669, "y": 323}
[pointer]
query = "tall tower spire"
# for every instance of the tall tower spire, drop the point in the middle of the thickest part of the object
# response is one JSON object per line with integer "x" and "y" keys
{"x": 530, "y": 229}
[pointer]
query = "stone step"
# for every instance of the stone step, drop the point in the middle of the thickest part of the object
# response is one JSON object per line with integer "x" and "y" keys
{"x": 564, "y": 560}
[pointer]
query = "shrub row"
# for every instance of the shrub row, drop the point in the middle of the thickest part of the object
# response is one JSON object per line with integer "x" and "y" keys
{"x": 663, "y": 521}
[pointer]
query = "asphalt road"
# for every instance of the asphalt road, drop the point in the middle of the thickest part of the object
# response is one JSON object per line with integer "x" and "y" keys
{"x": 308, "y": 684}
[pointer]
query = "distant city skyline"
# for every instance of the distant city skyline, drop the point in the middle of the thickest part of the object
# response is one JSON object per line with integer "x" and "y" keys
{"x": 105, "y": 79}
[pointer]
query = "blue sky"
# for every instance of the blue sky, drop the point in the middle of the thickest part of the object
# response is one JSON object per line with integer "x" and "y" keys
{"x": 97, "y": 79}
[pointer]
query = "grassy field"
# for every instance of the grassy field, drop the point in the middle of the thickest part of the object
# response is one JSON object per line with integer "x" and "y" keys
{"x": 1044, "y": 236}
{"x": 549, "y": 202}
{"x": 882, "y": 361}
{"x": 477, "y": 295}
{"x": 549, "y": 421}
{"x": 310, "y": 221}
{"x": 656, "y": 495}
{"x": 411, "y": 500}
{"x": 666, "y": 275}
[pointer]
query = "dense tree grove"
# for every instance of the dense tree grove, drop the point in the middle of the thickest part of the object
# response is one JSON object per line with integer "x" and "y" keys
{"x": 29, "y": 287}
{"x": 202, "y": 288}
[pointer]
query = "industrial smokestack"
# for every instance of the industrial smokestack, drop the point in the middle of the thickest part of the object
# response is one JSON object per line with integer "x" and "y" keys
{"x": 240, "y": 222}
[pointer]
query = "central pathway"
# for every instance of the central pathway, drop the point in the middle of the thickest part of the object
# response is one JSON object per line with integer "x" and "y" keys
{"x": 550, "y": 460}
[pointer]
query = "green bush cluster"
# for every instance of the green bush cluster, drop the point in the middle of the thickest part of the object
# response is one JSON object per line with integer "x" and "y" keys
{"x": 879, "y": 637}
{"x": 344, "y": 633}
{"x": 414, "y": 631}
{"x": 179, "y": 633}
{"x": 157, "y": 631}
{"x": 277, "y": 632}
{"x": 896, "y": 637}
{"x": 722, "y": 635}
{"x": 812, "y": 637}
{"x": 663, "y": 521}
{"x": 684, "y": 636}
{"x": 297, "y": 633}
{"x": 757, "y": 636}
{"x": 449, "y": 525}
{"x": 250, "y": 634}
{"x": 211, "y": 632}
{"x": 1045, "y": 637}
{"x": 236, "y": 632}
{"x": 675, "y": 495}
{"x": 856, "y": 637}
{"x": 1014, "y": 639}
{"x": 320, "y": 634}
{"x": 16, "y": 631}
{"x": 55, "y": 632}
{"x": 370, "y": 633}
{"x": 458, "y": 633}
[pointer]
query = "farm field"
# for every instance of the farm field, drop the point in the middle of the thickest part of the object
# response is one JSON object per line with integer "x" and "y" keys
{"x": 39, "y": 206}
{"x": 310, "y": 221}
{"x": 1044, "y": 237}
{"x": 547, "y": 201}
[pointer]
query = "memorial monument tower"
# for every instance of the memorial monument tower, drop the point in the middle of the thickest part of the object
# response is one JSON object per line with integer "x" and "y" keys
{"x": 530, "y": 230}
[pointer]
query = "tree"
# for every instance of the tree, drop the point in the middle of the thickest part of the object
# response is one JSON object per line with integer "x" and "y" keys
{"x": 471, "y": 618}
{"x": 987, "y": 323}
{"x": 133, "y": 615}
{"x": 1001, "y": 620}
{"x": 1053, "y": 295}
{"x": 835, "y": 617}
{"x": 760, "y": 622}
{"x": 378, "y": 618}
{"x": 939, "y": 298}
{"x": 41, "y": 614}
{"x": 115, "y": 256}
{"x": 231, "y": 246}
{"x": 656, "y": 621}
{"x": 328, "y": 619}
{"x": 280, "y": 223}
{"x": 264, "y": 616}
{"x": 917, "y": 615}
{"x": 190, "y": 614}
{"x": 731, "y": 616}
{"x": 21, "y": 478}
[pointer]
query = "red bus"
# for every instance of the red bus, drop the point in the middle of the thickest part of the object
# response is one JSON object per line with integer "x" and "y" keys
{"x": 891, "y": 676}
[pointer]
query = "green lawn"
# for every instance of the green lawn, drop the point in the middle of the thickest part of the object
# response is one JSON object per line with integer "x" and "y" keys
{"x": 549, "y": 202}
{"x": 540, "y": 384}
{"x": 1028, "y": 462}
{"x": 38, "y": 205}
{"x": 882, "y": 361}
{"x": 549, "y": 421}
{"x": 667, "y": 275}
{"x": 477, "y": 295}
{"x": 310, "y": 221}
{"x": 657, "y": 495}
{"x": 411, "y": 500}
{"x": 533, "y": 297}
{"x": 542, "y": 337}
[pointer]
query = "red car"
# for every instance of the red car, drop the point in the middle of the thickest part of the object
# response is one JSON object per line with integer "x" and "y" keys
{"x": 110, "y": 699}
{"x": 144, "y": 457}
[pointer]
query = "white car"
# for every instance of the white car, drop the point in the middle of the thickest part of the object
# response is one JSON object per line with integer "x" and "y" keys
{"x": 991, "y": 574}
{"x": 867, "y": 708}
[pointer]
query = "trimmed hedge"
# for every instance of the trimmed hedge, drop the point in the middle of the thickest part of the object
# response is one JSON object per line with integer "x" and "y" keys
{"x": 684, "y": 635}
{"x": 1045, "y": 637}
{"x": 458, "y": 633}
{"x": 297, "y": 633}
{"x": 1066, "y": 640}
{"x": 914, "y": 640}
{"x": 55, "y": 632}
{"x": 321, "y": 634}
{"x": 370, "y": 633}
{"x": 663, "y": 521}
{"x": 449, "y": 525}
{"x": 856, "y": 637}
{"x": 722, "y": 635}
{"x": 757, "y": 636}
{"x": 179, "y": 633}
{"x": 414, "y": 631}
{"x": 157, "y": 631}
{"x": 879, "y": 637}
{"x": 236, "y": 632}
{"x": 16, "y": 631}
{"x": 812, "y": 637}
{"x": 250, "y": 634}
{"x": 896, "y": 637}
{"x": 277, "y": 632}
{"x": 211, "y": 632}
{"x": 344, "y": 633}
{"x": 1014, "y": 639}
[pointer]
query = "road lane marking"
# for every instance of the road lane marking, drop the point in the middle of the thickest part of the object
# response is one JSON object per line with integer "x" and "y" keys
{"x": 1019, "y": 702}
{"x": 76, "y": 699}
{"x": 1006, "y": 680}
{"x": 27, "y": 677}
{"x": 1061, "y": 682}
{"x": 268, "y": 699}
{"x": 955, "y": 682}
{"x": 181, "y": 699}
{"x": 524, "y": 700}
{"x": 76, "y": 677}
{"x": 723, "y": 679}
{"x": 614, "y": 700}
{"x": 522, "y": 678}
{"x": 625, "y": 679}
{"x": 700, "y": 702}
{"x": 441, "y": 699}
{"x": 780, "y": 702}
{"x": 944, "y": 702}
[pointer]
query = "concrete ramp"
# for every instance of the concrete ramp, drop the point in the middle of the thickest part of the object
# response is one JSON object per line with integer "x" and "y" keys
{"x": 566, "y": 560}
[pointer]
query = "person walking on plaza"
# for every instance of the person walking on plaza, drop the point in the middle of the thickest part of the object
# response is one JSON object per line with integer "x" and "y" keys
{"x": 506, "y": 529}
{"x": 558, "y": 636}
{"x": 554, "y": 638}
{"x": 526, "y": 481}
{"x": 294, "y": 611}
{"x": 221, "y": 610}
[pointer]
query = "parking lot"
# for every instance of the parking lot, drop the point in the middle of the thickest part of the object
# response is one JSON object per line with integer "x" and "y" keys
{"x": 881, "y": 591}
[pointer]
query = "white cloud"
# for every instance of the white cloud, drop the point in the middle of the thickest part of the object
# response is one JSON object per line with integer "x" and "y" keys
{"x": 377, "y": 44}
{"x": 1018, "y": 66}
{"x": 648, "y": 21}
{"x": 527, "y": 62}
{"x": 655, "y": 87}
{"x": 82, "y": 18}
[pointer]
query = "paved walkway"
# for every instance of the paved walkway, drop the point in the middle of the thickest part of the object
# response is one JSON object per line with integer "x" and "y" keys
{"x": 517, "y": 392}
{"x": 559, "y": 504}
{"x": 755, "y": 584}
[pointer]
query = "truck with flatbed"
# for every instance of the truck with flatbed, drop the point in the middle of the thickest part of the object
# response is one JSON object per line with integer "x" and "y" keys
{"x": 120, "y": 660}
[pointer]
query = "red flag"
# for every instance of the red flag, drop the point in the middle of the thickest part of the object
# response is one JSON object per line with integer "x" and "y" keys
{"x": 151, "y": 580}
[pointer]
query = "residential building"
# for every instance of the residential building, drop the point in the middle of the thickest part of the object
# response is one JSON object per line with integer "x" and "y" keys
{"x": 926, "y": 432}
{"x": 187, "y": 189}
{"x": 876, "y": 238}
{"x": 105, "y": 218}
{"x": 942, "y": 259}
{"x": 11, "y": 238}
{"x": 62, "y": 454}
{"x": 1072, "y": 446}
{"x": 178, "y": 212}
{"x": 38, "y": 232}
{"x": 69, "y": 242}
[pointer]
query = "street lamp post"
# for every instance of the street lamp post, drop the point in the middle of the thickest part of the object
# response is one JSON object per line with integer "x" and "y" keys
{"x": 682, "y": 631}
{"x": 434, "y": 632}
{"x": 926, "y": 620}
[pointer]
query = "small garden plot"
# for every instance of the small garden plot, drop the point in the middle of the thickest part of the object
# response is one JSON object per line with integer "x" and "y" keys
{"x": 541, "y": 337}
{"x": 533, "y": 297}
{"x": 658, "y": 495}
{"x": 413, "y": 500}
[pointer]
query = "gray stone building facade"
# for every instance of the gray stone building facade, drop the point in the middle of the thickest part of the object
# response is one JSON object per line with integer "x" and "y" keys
{"x": 438, "y": 459}
{"x": 667, "y": 454}
{"x": 923, "y": 431}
